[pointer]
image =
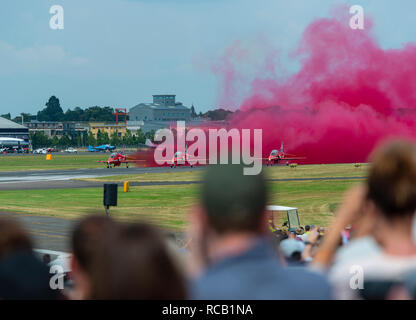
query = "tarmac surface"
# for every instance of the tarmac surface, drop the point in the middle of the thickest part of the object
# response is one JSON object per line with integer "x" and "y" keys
{"x": 61, "y": 179}
{"x": 53, "y": 233}
{"x": 47, "y": 232}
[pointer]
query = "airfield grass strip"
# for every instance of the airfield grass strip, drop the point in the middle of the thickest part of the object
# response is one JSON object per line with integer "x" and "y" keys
{"x": 168, "y": 206}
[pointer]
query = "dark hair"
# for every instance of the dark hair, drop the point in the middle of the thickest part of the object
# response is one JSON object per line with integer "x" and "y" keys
{"x": 86, "y": 236}
{"x": 23, "y": 276}
{"x": 22, "y": 273}
{"x": 392, "y": 179}
{"x": 136, "y": 265}
{"x": 231, "y": 200}
{"x": 296, "y": 256}
{"x": 307, "y": 228}
{"x": 46, "y": 258}
{"x": 13, "y": 237}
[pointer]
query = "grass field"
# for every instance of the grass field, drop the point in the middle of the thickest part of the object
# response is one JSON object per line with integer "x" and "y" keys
{"x": 167, "y": 206}
{"x": 59, "y": 161}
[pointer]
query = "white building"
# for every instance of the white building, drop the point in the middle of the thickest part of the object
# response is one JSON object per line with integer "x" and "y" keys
{"x": 163, "y": 108}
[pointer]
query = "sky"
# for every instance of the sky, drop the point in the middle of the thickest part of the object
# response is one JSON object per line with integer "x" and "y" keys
{"x": 119, "y": 53}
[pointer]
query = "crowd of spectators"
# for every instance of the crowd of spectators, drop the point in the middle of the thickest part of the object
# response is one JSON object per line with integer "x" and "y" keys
{"x": 368, "y": 251}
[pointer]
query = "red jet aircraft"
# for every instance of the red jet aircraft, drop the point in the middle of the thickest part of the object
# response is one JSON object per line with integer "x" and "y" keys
{"x": 181, "y": 158}
{"x": 276, "y": 156}
{"x": 116, "y": 159}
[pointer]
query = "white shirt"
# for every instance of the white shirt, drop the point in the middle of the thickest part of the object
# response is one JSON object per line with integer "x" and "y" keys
{"x": 379, "y": 266}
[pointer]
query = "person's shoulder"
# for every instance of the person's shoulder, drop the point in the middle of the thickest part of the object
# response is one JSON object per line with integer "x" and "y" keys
{"x": 313, "y": 284}
{"x": 363, "y": 247}
{"x": 217, "y": 285}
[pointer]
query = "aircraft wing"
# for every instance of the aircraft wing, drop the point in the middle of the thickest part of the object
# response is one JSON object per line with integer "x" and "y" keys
{"x": 150, "y": 144}
{"x": 199, "y": 160}
{"x": 294, "y": 158}
{"x": 267, "y": 158}
{"x": 130, "y": 161}
{"x": 291, "y": 158}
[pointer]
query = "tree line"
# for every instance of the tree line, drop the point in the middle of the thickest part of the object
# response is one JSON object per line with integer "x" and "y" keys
{"x": 53, "y": 112}
{"x": 82, "y": 139}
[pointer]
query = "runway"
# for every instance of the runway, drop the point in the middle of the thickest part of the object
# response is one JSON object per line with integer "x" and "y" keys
{"x": 64, "y": 179}
{"x": 40, "y": 179}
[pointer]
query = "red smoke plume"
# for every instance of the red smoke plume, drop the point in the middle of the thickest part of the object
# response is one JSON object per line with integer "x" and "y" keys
{"x": 347, "y": 96}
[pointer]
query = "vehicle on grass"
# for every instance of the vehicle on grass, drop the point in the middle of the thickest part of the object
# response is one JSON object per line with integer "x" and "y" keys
{"x": 40, "y": 151}
{"x": 71, "y": 150}
{"x": 282, "y": 216}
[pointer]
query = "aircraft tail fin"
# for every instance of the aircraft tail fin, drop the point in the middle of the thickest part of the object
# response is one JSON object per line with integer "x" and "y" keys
{"x": 281, "y": 147}
{"x": 150, "y": 143}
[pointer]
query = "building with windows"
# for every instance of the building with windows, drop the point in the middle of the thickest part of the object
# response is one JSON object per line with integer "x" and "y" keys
{"x": 56, "y": 128}
{"x": 50, "y": 128}
{"x": 163, "y": 108}
{"x": 109, "y": 128}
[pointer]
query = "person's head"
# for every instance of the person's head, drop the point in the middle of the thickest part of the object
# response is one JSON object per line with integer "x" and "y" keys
{"x": 46, "y": 258}
{"x": 292, "y": 249}
{"x": 86, "y": 242}
{"x": 86, "y": 235}
{"x": 136, "y": 265}
{"x": 233, "y": 202}
{"x": 299, "y": 230}
{"x": 22, "y": 274}
{"x": 13, "y": 237}
{"x": 391, "y": 180}
{"x": 307, "y": 228}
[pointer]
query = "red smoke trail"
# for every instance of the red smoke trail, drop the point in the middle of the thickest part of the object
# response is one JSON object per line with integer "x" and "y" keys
{"x": 347, "y": 96}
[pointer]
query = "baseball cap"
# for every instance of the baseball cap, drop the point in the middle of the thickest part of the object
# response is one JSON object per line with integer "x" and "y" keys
{"x": 290, "y": 246}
